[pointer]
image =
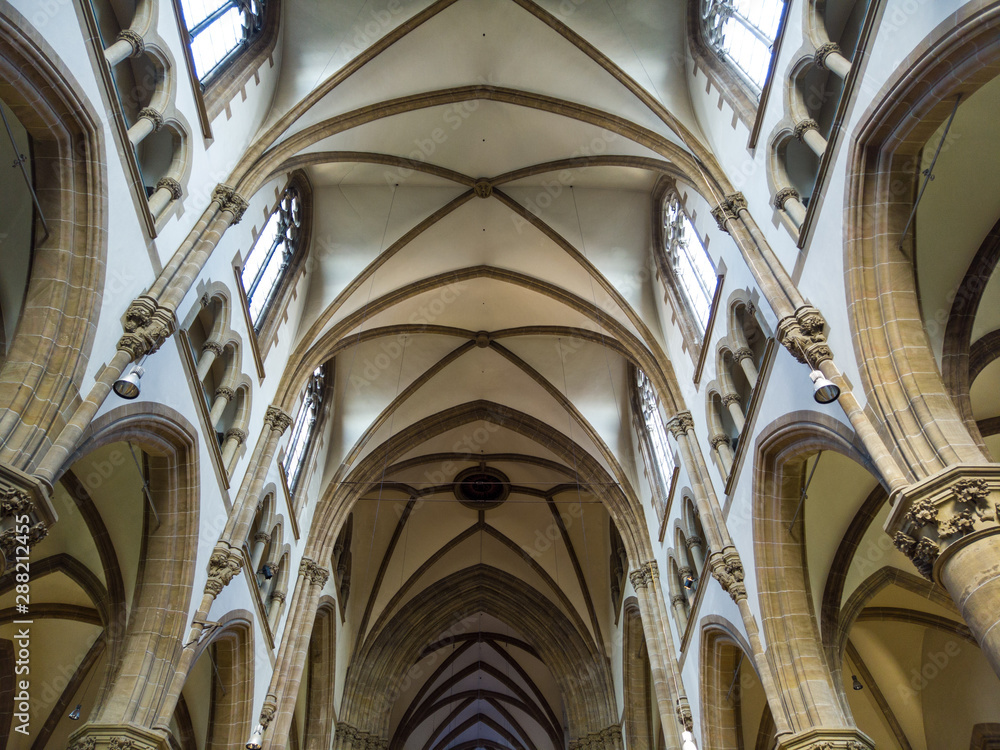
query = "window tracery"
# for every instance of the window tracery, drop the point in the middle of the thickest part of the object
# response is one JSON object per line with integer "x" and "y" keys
{"x": 218, "y": 30}
{"x": 304, "y": 429}
{"x": 688, "y": 260}
{"x": 654, "y": 436}
{"x": 743, "y": 33}
{"x": 271, "y": 256}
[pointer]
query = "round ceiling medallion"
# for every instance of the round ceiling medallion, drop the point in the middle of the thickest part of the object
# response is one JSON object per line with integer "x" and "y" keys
{"x": 481, "y": 487}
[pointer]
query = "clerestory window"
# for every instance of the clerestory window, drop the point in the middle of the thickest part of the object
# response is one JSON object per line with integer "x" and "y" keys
{"x": 655, "y": 435}
{"x": 271, "y": 256}
{"x": 743, "y": 33}
{"x": 304, "y": 429}
{"x": 218, "y": 30}
{"x": 688, "y": 260}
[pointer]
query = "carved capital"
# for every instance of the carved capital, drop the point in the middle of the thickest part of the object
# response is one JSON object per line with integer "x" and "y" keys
{"x": 639, "y": 578}
{"x": 800, "y": 130}
{"x": 723, "y": 214}
{"x": 153, "y": 116}
{"x": 278, "y": 596}
{"x": 484, "y": 188}
{"x": 684, "y": 714}
{"x": 147, "y": 326}
{"x": 947, "y": 510}
{"x": 170, "y": 185}
{"x": 223, "y": 565}
{"x": 262, "y": 536}
{"x": 267, "y": 712}
{"x": 237, "y": 205}
{"x": 727, "y": 569}
{"x": 15, "y": 502}
{"x": 87, "y": 743}
{"x": 121, "y": 743}
{"x": 720, "y": 439}
{"x": 222, "y": 193}
{"x": 731, "y": 398}
{"x": 135, "y": 39}
{"x": 225, "y": 392}
{"x": 804, "y": 336}
{"x": 318, "y": 575}
{"x": 784, "y": 195}
{"x": 213, "y": 346}
{"x": 235, "y": 433}
{"x": 19, "y": 538}
{"x": 681, "y": 423}
{"x": 694, "y": 541}
{"x": 823, "y": 52}
{"x": 276, "y": 419}
{"x": 737, "y": 202}
{"x": 743, "y": 353}
{"x": 678, "y": 599}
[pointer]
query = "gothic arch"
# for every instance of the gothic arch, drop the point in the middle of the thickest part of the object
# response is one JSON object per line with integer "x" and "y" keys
{"x": 41, "y": 378}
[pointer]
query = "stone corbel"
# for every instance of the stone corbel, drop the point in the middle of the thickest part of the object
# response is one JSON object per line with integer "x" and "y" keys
{"x": 26, "y": 513}
{"x": 112, "y": 737}
{"x": 147, "y": 326}
{"x": 954, "y": 507}
{"x": 727, "y": 569}
{"x": 827, "y": 739}
{"x": 223, "y": 565}
{"x": 804, "y": 336}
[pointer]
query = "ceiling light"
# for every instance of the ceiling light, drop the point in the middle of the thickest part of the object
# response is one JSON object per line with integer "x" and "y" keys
{"x": 127, "y": 386}
{"x": 856, "y": 683}
{"x": 826, "y": 390}
{"x": 75, "y": 713}
{"x": 688, "y": 741}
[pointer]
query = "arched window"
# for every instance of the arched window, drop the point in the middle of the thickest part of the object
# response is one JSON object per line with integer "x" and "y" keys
{"x": 688, "y": 260}
{"x": 743, "y": 32}
{"x": 654, "y": 438}
{"x": 218, "y": 30}
{"x": 304, "y": 429}
{"x": 271, "y": 255}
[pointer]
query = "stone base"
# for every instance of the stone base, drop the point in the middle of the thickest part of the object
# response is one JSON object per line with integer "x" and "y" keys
{"x": 827, "y": 739}
{"x": 116, "y": 737}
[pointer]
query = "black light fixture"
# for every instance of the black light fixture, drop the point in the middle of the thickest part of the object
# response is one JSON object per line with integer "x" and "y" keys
{"x": 267, "y": 571}
{"x": 826, "y": 391}
{"x": 689, "y": 582}
{"x": 856, "y": 683}
{"x": 75, "y": 713}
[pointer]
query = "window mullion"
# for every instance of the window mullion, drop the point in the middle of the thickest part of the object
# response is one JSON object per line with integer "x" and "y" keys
{"x": 214, "y": 16}
{"x": 278, "y": 239}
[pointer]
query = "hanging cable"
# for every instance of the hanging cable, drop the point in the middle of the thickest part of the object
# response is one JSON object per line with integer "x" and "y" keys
{"x": 19, "y": 162}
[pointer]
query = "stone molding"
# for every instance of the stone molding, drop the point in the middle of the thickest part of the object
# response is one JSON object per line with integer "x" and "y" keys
{"x": 223, "y": 565}
{"x": 694, "y": 541}
{"x": 483, "y": 188}
{"x": 720, "y": 439}
{"x": 239, "y": 435}
{"x": 609, "y": 738}
{"x": 950, "y": 509}
{"x": 147, "y": 326}
{"x": 827, "y": 739}
{"x": 262, "y": 536}
{"x": 644, "y": 574}
{"x": 316, "y": 573}
{"x": 742, "y": 353}
{"x": 111, "y": 737}
{"x": 351, "y": 738}
{"x": 729, "y": 209}
{"x": 22, "y": 495}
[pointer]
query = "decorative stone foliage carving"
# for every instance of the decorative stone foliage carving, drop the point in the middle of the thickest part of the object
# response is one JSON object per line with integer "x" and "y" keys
{"x": 681, "y": 423}
{"x": 932, "y": 516}
{"x": 824, "y": 51}
{"x": 484, "y": 188}
{"x": 223, "y": 566}
{"x": 800, "y": 130}
{"x": 730, "y": 398}
{"x": 147, "y": 326}
{"x": 727, "y": 569}
{"x": 135, "y": 39}
{"x": 276, "y": 419}
{"x": 171, "y": 185}
{"x": 153, "y": 116}
{"x": 804, "y": 336}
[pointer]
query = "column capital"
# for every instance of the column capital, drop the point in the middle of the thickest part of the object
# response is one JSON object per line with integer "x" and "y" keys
{"x": 213, "y": 346}
{"x": 719, "y": 439}
{"x": 170, "y": 185}
{"x": 681, "y": 423}
{"x": 804, "y": 336}
{"x": 237, "y": 205}
{"x": 222, "y": 193}
{"x": 223, "y": 565}
{"x": 800, "y": 129}
{"x": 722, "y": 214}
{"x": 224, "y": 391}
{"x": 135, "y": 39}
{"x": 742, "y": 353}
{"x": 731, "y": 398}
{"x": 823, "y": 51}
{"x": 948, "y": 510}
{"x": 727, "y": 569}
{"x": 262, "y": 536}
{"x": 784, "y": 195}
{"x": 240, "y": 436}
{"x": 116, "y": 737}
{"x": 277, "y": 419}
{"x": 153, "y": 116}
{"x": 147, "y": 326}
{"x": 684, "y": 714}
{"x": 826, "y": 739}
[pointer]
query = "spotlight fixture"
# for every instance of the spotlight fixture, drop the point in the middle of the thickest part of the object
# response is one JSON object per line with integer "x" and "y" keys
{"x": 856, "y": 683}
{"x": 689, "y": 582}
{"x": 127, "y": 386}
{"x": 256, "y": 738}
{"x": 826, "y": 391}
{"x": 75, "y": 713}
{"x": 267, "y": 571}
{"x": 688, "y": 741}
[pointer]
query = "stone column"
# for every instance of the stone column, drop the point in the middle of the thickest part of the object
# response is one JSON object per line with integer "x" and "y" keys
{"x": 260, "y": 541}
{"x": 723, "y": 449}
{"x": 284, "y": 688}
{"x": 671, "y": 699}
{"x": 223, "y": 395}
{"x": 732, "y": 402}
{"x": 167, "y": 190}
{"x": 949, "y": 527}
{"x": 128, "y": 44}
{"x": 745, "y": 358}
{"x": 150, "y": 121}
{"x": 277, "y": 605}
{"x": 829, "y": 57}
{"x": 788, "y": 200}
{"x": 210, "y": 351}
{"x": 695, "y": 546}
{"x": 235, "y": 437}
{"x": 807, "y": 132}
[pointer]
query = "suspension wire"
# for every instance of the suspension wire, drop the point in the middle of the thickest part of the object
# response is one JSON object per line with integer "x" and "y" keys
{"x": 145, "y": 484}
{"x": 19, "y": 162}
{"x": 803, "y": 494}
{"x": 736, "y": 676}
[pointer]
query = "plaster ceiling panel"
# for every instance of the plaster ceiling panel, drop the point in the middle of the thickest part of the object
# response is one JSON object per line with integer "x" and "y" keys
{"x": 895, "y": 596}
{"x": 984, "y": 393}
{"x": 59, "y": 588}
{"x": 647, "y": 39}
{"x": 519, "y": 471}
{"x": 480, "y": 304}
{"x": 875, "y": 552}
{"x": 70, "y": 535}
{"x": 490, "y": 42}
{"x": 606, "y": 177}
{"x": 480, "y": 138}
{"x": 988, "y": 314}
{"x": 331, "y": 174}
{"x": 478, "y": 437}
{"x": 322, "y": 36}
{"x": 489, "y": 377}
{"x": 486, "y": 232}
{"x": 959, "y": 207}
{"x": 993, "y": 445}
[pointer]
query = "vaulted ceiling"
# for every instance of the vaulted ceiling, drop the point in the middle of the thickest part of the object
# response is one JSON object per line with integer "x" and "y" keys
{"x": 482, "y": 175}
